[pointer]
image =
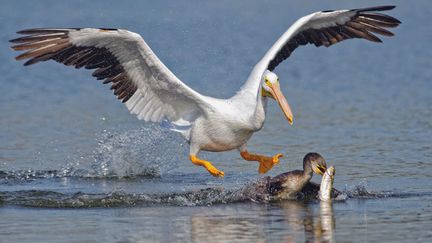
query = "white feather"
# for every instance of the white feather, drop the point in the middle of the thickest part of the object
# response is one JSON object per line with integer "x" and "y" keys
{"x": 315, "y": 20}
{"x": 160, "y": 93}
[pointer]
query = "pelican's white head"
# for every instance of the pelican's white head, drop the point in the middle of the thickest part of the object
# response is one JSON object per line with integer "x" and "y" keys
{"x": 271, "y": 88}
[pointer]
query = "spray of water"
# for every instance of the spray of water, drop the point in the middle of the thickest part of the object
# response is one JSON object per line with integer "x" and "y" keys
{"x": 148, "y": 151}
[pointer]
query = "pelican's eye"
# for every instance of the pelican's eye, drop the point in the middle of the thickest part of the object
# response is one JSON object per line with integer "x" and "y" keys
{"x": 267, "y": 82}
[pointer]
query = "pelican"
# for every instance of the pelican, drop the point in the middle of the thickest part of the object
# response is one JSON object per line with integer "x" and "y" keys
{"x": 153, "y": 93}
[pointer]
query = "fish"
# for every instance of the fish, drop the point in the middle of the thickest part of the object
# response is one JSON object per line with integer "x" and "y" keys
{"x": 326, "y": 187}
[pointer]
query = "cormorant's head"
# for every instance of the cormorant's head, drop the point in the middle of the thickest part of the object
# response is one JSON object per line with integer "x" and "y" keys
{"x": 316, "y": 162}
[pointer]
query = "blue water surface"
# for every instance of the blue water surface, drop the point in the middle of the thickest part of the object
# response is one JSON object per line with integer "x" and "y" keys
{"x": 66, "y": 143}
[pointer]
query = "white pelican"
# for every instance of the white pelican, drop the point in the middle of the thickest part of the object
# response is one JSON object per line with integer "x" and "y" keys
{"x": 153, "y": 93}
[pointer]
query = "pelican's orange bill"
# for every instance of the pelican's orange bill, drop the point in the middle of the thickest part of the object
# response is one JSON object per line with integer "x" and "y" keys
{"x": 283, "y": 103}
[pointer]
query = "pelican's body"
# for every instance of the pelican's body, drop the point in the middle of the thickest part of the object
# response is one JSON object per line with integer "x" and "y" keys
{"x": 230, "y": 125}
{"x": 153, "y": 93}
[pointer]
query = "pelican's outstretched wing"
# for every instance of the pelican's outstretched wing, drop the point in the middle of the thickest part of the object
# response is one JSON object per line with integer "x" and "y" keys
{"x": 137, "y": 76}
{"x": 326, "y": 28}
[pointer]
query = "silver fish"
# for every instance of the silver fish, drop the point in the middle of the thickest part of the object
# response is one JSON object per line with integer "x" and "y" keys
{"x": 326, "y": 186}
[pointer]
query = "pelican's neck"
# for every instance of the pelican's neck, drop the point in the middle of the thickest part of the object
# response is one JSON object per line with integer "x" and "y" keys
{"x": 259, "y": 114}
{"x": 251, "y": 93}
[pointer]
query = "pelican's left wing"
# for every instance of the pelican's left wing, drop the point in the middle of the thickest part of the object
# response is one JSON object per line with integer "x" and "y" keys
{"x": 122, "y": 58}
{"x": 326, "y": 28}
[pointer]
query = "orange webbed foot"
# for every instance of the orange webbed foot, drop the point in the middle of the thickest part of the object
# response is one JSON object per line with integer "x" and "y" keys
{"x": 209, "y": 167}
{"x": 267, "y": 164}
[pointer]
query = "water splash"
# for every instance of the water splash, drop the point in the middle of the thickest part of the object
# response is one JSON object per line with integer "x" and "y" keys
{"x": 201, "y": 197}
{"x": 149, "y": 151}
{"x": 51, "y": 199}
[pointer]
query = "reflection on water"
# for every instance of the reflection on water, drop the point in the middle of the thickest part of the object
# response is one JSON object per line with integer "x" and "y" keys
{"x": 327, "y": 222}
{"x": 227, "y": 229}
{"x": 317, "y": 228}
{"x": 298, "y": 220}
{"x": 355, "y": 219}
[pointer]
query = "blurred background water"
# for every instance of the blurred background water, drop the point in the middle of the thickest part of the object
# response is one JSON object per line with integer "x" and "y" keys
{"x": 66, "y": 142}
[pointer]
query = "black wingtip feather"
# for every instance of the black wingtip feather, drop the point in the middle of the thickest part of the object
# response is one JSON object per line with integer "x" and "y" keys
{"x": 45, "y": 31}
{"x": 382, "y": 17}
{"x": 377, "y": 8}
{"x": 364, "y": 23}
{"x": 29, "y": 62}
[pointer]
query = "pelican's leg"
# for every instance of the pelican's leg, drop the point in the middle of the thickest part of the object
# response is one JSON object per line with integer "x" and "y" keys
{"x": 266, "y": 163}
{"x": 206, "y": 164}
{"x": 209, "y": 167}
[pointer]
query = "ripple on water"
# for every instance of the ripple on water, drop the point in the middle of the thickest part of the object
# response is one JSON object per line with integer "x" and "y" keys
{"x": 201, "y": 197}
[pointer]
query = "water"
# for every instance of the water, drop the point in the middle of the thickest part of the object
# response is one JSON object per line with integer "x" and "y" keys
{"x": 75, "y": 166}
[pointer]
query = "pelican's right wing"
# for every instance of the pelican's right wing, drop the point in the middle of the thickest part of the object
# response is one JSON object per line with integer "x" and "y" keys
{"x": 137, "y": 76}
{"x": 325, "y": 28}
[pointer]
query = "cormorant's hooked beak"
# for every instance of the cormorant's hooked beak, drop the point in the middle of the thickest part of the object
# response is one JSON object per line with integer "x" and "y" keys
{"x": 283, "y": 103}
{"x": 320, "y": 169}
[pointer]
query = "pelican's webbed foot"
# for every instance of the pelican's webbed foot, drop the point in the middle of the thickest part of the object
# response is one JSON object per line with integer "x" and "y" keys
{"x": 209, "y": 167}
{"x": 266, "y": 163}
